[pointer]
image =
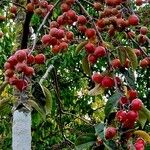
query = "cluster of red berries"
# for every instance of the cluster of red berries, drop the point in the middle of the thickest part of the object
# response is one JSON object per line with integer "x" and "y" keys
{"x": 105, "y": 80}
{"x": 58, "y": 38}
{"x": 129, "y": 107}
{"x": 19, "y": 65}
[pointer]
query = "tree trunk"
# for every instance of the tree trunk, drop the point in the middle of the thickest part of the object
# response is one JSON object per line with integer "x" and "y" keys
{"x": 21, "y": 130}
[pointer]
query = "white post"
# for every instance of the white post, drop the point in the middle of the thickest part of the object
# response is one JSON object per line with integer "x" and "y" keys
{"x": 21, "y": 130}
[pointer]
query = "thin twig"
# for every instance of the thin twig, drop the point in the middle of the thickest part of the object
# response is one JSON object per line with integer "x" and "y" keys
{"x": 83, "y": 119}
{"x": 46, "y": 74}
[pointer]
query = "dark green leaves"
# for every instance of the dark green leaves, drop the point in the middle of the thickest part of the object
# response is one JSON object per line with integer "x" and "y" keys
{"x": 85, "y": 142}
{"x": 99, "y": 130}
{"x": 111, "y": 103}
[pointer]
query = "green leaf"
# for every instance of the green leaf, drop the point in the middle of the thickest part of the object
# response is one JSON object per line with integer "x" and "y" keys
{"x": 111, "y": 103}
{"x": 99, "y": 130}
{"x": 86, "y": 66}
{"x": 80, "y": 46}
{"x": 85, "y": 141}
{"x": 146, "y": 112}
{"x": 49, "y": 100}
{"x": 85, "y": 146}
{"x": 122, "y": 55}
{"x": 38, "y": 108}
{"x": 129, "y": 75}
{"x": 132, "y": 57}
{"x": 142, "y": 118}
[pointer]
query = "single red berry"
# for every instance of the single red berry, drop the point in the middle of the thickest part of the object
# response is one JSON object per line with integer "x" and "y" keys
{"x": 54, "y": 32}
{"x": 143, "y": 30}
{"x": 30, "y": 7}
{"x": 56, "y": 49}
{"x": 121, "y": 116}
{"x": 116, "y": 63}
{"x": 132, "y": 94}
{"x": 12, "y": 60}
{"x": 123, "y": 100}
{"x": 92, "y": 59}
{"x": 70, "y": 2}
{"x": 82, "y": 20}
{"x": 100, "y": 51}
{"x": 21, "y": 84}
{"x": 110, "y": 132}
{"x": 70, "y": 35}
{"x": 107, "y": 82}
{"x": 63, "y": 46}
{"x": 9, "y": 73}
{"x": 132, "y": 115}
{"x": 97, "y": 6}
{"x": 133, "y": 20}
{"x": 139, "y": 146}
{"x": 7, "y": 65}
{"x": 144, "y": 63}
{"x": 21, "y": 55}
{"x": 136, "y": 104}
{"x": 45, "y": 39}
{"x": 90, "y": 47}
{"x": 60, "y": 33}
{"x": 12, "y": 80}
{"x": 64, "y": 7}
{"x": 137, "y": 52}
{"x": 40, "y": 59}
{"x": 20, "y": 66}
{"x": 30, "y": 59}
{"x": 97, "y": 78}
{"x": 13, "y": 9}
{"x": 90, "y": 32}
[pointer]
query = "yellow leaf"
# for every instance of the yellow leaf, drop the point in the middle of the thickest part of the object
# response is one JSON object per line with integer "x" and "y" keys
{"x": 86, "y": 66}
{"x": 143, "y": 134}
{"x": 97, "y": 90}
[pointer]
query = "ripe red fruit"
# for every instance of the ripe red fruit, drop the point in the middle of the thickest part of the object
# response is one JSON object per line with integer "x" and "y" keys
{"x": 70, "y": 35}
{"x": 116, "y": 63}
{"x": 13, "y": 9}
{"x": 71, "y": 14}
{"x": 56, "y": 49}
{"x": 123, "y": 100}
{"x": 7, "y": 65}
{"x": 54, "y": 32}
{"x": 127, "y": 63}
{"x": 140, "y": 141}
{"x": 133, "y": 20}
{"x": 63, "y": 46}
{"x": 92, "y": 59}
{"x": 101, "y": 23}
{"x": 107, "y": 82}
{"x": 40, "y": 59}
{"x": 110, "y": 132}
{"x": 136, "y": 104}
{"x": 132, "y": 115}
{"x": 144, "y": 63}
{"x": 45, "y": 39}
{"x": 28, "y": 71}
{"x": 70, "y": 2}
{"x": 132, "y": 94}
{"x": 30, "y": 7}
{"x": 21, "y": 84}
{"x": 100, "y": 51}
{"x": 82, "y": 20}
{"x": 143, "y": 30}
{"x": 9, "y": 73}
{"x": 139, "y": 2}
{"x": 82, "y": 28}
{"x": 43, "y": 3}
{"x": 54, "y": 24}
{"x": 60, "y": 34}
{"x": 137, "y": 52}
{"x": 30, "y": 59}
{"x": 90, "y": 47}
{"x": 34, "y": 2}
{"x": 64, "y": 7}
{"x": 12, "y": 60}
{"x": 139, "y": 146}
{"x": 20, "y": 66}
{"x": 97, "y": 6}
{"x": 12, "y": 80}
{"x": 97, "y": 78}
{"x": 90, "y": 33}
{"x": 121, "y": 116}
{"x": 21, "y": 55}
